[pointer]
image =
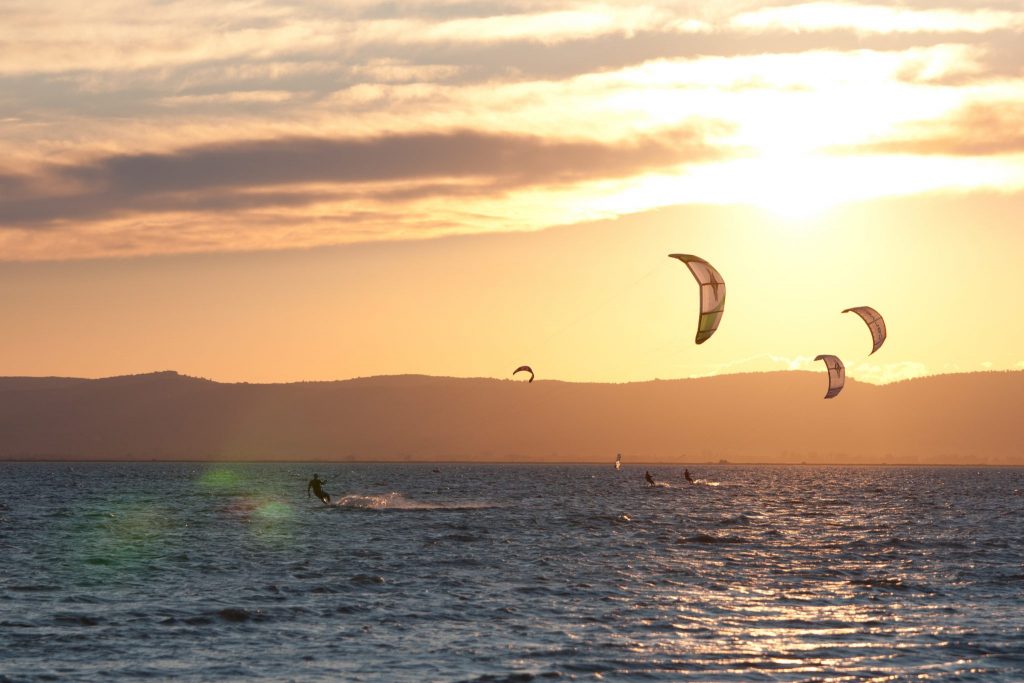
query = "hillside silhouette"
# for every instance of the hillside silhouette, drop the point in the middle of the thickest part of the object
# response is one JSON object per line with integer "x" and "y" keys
{"x": 765, "y": 417}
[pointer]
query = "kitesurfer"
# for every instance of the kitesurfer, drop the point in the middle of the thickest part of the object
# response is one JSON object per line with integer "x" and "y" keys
{"x": 686, "y": 473}
{"x": 316, "y": 485}
{"x": 649, "y": 478}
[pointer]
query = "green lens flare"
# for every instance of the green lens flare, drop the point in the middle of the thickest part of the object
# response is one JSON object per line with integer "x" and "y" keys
{"x": 221, "y": 480}
{"x": 274, "y": 511}
{"x": 124, "y": 535}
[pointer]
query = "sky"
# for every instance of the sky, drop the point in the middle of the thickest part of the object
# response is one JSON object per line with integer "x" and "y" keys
{"x": 310, "y": 190}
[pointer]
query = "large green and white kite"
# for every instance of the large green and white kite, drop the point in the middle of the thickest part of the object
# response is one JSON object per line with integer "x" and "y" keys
{"x": 712, "y": 294}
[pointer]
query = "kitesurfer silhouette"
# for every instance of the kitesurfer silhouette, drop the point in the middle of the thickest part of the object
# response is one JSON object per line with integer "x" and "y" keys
{"x": 686, "y": 473}
{"x": 316, "y": 485}
{"x": 649, "y": 478}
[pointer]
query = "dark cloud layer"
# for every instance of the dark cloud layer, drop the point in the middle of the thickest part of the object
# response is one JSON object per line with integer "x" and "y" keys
{"x": 240, "y": 175}
{"x": 12, "y": 185}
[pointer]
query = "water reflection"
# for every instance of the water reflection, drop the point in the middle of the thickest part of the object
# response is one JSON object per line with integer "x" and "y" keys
{"x": 477, "y": 571}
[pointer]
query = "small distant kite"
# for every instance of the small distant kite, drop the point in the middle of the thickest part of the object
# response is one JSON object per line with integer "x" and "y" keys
{"x": 524, "y": 368}
{"x": 712, "y": 294}
{"x": 874, "y": 322}
{"x": 836, "y": 374}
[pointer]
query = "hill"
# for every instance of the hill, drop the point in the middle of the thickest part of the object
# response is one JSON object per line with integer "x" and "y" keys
{"x": 770, "y": 417}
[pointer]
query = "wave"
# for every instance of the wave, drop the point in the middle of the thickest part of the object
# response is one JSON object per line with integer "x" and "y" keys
{"x": 398, "y": 501}
{"x": 711, "y": 539}
{"x": 880, "y": 582}
{"x": 695, "y": 482}
{"x": 740, "y": 519}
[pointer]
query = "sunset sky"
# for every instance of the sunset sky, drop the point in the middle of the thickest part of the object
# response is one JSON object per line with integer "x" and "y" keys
{"x": 311, "y": 190}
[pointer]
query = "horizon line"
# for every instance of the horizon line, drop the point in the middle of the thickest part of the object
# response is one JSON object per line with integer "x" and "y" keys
{"x": 603, "y": 463}
{"x": 176, "y": 373}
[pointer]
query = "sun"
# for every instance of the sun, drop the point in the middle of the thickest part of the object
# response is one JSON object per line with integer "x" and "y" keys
{"x": 795, "y": 187}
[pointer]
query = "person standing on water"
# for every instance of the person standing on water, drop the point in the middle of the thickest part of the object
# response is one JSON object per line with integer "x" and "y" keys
{"x": 317, "y": 486}
{"x": 686, "y": 473}
{"x": 649, "y": 478}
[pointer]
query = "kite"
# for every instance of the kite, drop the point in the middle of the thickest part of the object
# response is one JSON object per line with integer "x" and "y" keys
{"x": 525, "y": 368}
{"x": 874, "y": 322}
{"x": 712, "y": 294}
{"x": 836, "y": 374}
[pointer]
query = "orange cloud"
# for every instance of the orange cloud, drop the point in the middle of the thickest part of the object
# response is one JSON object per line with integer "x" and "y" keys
{"x": 983, "y": 129}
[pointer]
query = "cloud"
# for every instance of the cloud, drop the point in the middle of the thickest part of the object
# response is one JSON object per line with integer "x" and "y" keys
{"x": 994, "y": 56}
{"x": 888, "y": 372}
{"x": 479, "y": 115}
{"x": 862, "y": 372}
{"x": 59, "y": 37}
{"x": 12, "y": 185}
{"x": 765, "y": 362}
{"x": 871, "y": 18}
{"x": 59, "y": 55}
{"x": 981, "y": 129}
{"x": 278, "y": 172}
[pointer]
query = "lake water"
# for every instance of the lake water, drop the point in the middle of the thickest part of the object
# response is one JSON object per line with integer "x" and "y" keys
{"x": 510, "y": 573}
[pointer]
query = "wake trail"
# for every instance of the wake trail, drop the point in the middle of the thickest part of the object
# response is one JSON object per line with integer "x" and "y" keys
{"x": 398, "y": 501}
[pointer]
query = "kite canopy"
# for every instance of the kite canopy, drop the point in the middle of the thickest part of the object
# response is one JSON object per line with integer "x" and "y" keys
{"x": 712, "y": 294}
{"x": 525, "y": 368}
{"x": 836, "y": 374}
{"x": 874, "y": 322}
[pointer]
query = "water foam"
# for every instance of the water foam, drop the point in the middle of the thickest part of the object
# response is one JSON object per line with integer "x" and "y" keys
{"x": 398, "y": 501}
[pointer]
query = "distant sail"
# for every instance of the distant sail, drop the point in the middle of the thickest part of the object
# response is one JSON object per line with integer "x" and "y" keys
{"x": 524, "y": 368}
{"x": 836, "y": 374}
{"x": 618, "y": 461}
{"x": 712, "y": 294}
{"x": 874, "y": 322}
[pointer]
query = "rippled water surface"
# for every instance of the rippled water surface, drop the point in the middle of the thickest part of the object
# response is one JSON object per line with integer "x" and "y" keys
{"x": 492, "y": 573}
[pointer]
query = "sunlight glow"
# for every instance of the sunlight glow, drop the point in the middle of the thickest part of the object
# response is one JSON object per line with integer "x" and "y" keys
{"x": 209, "y": 147}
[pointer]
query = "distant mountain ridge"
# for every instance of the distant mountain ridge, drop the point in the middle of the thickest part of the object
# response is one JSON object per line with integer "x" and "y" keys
{"x": 764, "y": 417}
